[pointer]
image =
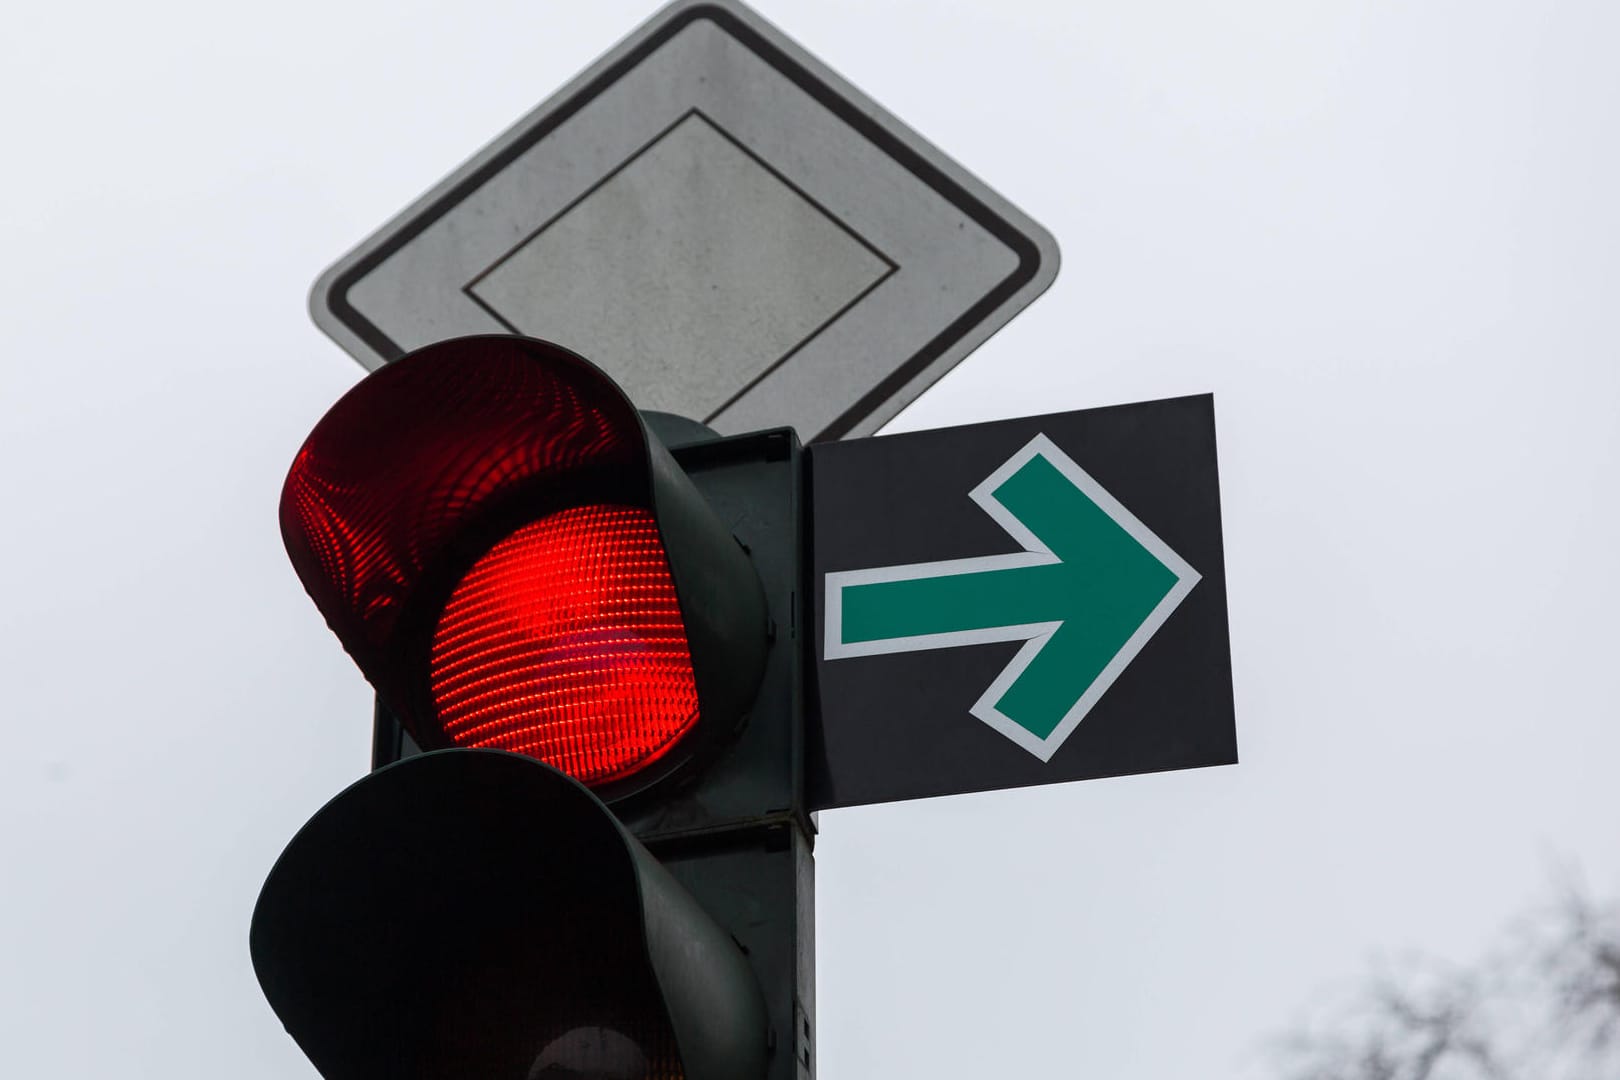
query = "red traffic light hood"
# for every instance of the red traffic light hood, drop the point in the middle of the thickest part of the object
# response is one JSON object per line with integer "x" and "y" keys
{"x": 512, "y": 559}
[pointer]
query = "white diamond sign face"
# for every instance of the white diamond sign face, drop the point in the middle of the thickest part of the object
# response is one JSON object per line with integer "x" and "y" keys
{"x": 721, "y": 223}
{"x": 776, "y": 269}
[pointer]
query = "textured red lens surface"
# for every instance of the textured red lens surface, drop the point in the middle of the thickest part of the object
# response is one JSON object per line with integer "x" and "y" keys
{"x": 565, "y": 642}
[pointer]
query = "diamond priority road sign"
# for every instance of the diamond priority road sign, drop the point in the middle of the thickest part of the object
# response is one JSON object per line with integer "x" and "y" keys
{"x": 723, "y": 224}
{"x": 1022, "y": 602}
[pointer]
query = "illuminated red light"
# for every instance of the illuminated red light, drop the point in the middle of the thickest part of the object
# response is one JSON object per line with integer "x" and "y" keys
{"x": 564, "y": 641}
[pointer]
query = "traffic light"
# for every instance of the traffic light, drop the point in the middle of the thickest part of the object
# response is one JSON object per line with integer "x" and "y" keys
{"x": 474, "y": 913}
{"x": 584, "y": 850}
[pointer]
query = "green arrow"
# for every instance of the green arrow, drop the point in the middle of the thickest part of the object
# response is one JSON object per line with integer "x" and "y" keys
{"x": 1090, "y": 587}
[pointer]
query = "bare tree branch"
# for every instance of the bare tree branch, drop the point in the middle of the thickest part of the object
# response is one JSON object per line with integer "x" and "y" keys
{"x": 1545, "y": 1006}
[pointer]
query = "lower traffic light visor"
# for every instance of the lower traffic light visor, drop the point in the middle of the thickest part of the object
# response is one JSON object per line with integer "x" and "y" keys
{"x": 474, "y": 913}
{"x": 514, "y": 561}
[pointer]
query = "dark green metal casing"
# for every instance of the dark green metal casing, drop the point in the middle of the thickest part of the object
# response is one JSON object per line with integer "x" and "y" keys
{"x": 734, "y": 829}
{"x": 436, "y": 919}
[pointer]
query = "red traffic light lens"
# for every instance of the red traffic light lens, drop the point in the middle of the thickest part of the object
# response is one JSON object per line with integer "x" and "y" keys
{"x": 564, "y": 641}
{"x": 613, "y": 608}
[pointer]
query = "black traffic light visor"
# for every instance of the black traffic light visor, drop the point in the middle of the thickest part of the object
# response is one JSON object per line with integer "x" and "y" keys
{"x": 474, "y": 913}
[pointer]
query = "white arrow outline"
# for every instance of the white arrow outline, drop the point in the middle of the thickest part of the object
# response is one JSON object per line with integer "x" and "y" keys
{"x": 1034, "y": 635}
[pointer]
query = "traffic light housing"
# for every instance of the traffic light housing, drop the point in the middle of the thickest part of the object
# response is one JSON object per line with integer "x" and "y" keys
{"x": 475, "y": 913}
{"x": 517, "y": 562}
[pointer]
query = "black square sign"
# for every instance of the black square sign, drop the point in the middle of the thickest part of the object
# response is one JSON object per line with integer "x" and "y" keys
{"x": 1023, "y": 602}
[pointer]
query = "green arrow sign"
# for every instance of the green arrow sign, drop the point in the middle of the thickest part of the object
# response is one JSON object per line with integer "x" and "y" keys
{"x": 1091, "y": 586}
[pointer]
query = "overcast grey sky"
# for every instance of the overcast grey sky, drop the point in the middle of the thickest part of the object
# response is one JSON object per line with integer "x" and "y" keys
{"x": 1385, "y": 235}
